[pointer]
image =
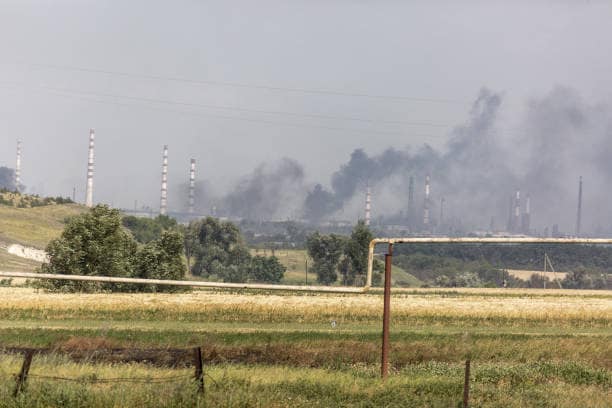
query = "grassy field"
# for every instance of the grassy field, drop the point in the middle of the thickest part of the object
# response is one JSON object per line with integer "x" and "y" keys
{"x": 295, "y": 260}
{"x": 34, "y": 226}
{"x": 528, "y": 347}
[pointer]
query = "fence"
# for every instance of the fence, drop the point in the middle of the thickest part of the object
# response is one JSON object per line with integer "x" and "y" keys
{"x": 198, "y": 376}
{"x": 24, "y": 374}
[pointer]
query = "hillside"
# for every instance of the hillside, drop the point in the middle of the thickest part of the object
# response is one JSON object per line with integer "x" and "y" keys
{"x": 35, "y": 226}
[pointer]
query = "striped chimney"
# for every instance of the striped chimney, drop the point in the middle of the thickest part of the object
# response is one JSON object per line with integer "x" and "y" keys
{"x": 18, "y": 167}
{"x": 368, "y": 206}
{"x": 163, "y": 206}
{"x": 90, "y": 170}
{"x": 426, "y": 203}
{"x": 192, "y": 187}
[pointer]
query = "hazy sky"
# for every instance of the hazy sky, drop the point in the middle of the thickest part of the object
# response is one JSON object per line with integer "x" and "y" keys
{"x": 407, "y": 70}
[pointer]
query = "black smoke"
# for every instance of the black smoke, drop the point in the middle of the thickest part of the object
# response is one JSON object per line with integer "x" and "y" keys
{"x": 560, "y": 138}
{"x": 271, "y": 191}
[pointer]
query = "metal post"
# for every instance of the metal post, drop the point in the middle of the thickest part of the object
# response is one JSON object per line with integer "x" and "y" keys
{"x": 23, "y": 374}
{"x": 199, "y": 369}
{"x": 384, "y": 366}
{"x": 466, "y": 385}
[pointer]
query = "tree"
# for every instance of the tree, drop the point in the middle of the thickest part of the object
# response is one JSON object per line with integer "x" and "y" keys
{"x": 147, "y": 229}
{"x": 215, "y": 245}
{"x": 356, "y": 251}
{"x": 266, "y": 269}
{"x": 161, "y": 259}
{"x": 326, "y": 251}
{"x": 93, "y": 243}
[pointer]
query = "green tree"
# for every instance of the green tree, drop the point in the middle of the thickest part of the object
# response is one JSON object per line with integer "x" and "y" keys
{"x": 214, "y": 246}
{"x": 148, "y": 229}
{"x": 266, "y": 269}
{"x": 161, "y": 259}
{"x": 356, "y": 251}
{"x": 326, "y": 251}
{"x": 93, "y": 243}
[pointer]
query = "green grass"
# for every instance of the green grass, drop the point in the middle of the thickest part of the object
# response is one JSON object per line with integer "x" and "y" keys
{"x": 34, "y": 226}
{"x": 295, "y": 261}
{"x": 430, "y": 384}
{"x": 528, "y": 348}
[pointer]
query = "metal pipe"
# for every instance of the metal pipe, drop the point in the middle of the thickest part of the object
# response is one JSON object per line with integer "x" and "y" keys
{"x": 474, "y": 240}
{"x": 110, "y": 279}
{"x": 90, "y": 170}
{"x": 384, "y": 363}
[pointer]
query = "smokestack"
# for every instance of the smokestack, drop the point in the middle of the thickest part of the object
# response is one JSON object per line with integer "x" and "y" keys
{"x": 526, "y": 224}
{"x": 18, "y": 168}
{"x": 442, "y": 201}
{"x": 192, "y": 187}
{"x": 90, "y": 170}
{"x": 426, "y": 203}
{"x": 579, "y": 214}
{"x": 163, "y": 206}
{"x": 509, "y": 227}
{"x": 517, "y": 211}
{"x": 368, "y": 206}
{"x": 411, "y": 202}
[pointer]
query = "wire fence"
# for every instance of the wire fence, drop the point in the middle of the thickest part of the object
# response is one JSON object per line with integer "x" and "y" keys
{"x": 198, "y": 375}
{"x": 133, "y": 380}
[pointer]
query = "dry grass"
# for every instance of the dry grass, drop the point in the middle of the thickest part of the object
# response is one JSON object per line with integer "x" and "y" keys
{"x": 538, "y": 305}
{"x": 34, "y": 226}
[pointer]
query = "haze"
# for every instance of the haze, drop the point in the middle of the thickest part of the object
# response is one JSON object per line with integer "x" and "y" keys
{"x": 394, "y": 75}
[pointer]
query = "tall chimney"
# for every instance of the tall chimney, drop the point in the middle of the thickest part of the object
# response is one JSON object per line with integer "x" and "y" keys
{"x": 192, "y": 187}
{"x": 426, "y": 203}
{"x": 368, "y": 206}
{"x": 442, "y": 201}
{"x": 411, "y": 202}
{"x": 18, "y": 168}
{"x": 90, "y": 170}
{"x": 579, "y": 214}
{"x": 517, "y": 211}
{"x": 526, "y": 224}
{"x": 163, "y": 206}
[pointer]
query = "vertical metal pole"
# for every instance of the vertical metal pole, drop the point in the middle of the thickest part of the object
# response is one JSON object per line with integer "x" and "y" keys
{"x": 306, "y": 265}
{"x": 384, "y": 366}
{"x": 199, "y": 369}
{"x": 466, "y": 385}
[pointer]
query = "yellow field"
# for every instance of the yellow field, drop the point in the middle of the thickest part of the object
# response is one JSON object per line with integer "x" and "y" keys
{"x": 542, "y": 304}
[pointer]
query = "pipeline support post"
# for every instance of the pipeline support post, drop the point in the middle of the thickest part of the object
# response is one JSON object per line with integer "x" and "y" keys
{"x": 384, "y": 365}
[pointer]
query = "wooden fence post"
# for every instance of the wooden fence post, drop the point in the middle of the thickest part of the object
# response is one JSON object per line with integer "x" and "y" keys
{"x": 199, "y": 369}
{"x": 23, "y": 374}
{"x": 466, "y": 385}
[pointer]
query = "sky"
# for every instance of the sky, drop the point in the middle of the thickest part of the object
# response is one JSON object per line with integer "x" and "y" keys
{"x": 236, "y": 84}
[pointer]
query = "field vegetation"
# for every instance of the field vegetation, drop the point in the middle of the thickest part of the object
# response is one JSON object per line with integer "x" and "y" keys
{"x": 528, "y": 347}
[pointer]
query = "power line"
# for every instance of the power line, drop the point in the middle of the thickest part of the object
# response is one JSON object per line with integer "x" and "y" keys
{"x": 244, "y": 85}
{"x": 80, "y": 95}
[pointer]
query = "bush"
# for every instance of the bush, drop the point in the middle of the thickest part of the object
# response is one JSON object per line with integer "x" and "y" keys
{"x": 96, "y": 244}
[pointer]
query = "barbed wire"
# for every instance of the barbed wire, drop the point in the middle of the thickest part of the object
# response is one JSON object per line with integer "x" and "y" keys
{"x": 150, "y": 380}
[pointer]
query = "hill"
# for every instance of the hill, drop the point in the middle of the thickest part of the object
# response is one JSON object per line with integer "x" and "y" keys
{"x": 34, "y": 226}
